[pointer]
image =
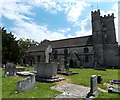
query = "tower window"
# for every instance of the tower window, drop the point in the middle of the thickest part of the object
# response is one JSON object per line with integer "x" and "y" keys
{"x": 86, "y": 50}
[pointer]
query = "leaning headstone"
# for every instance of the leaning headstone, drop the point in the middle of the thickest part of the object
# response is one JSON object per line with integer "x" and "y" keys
{"x": 10, "y": 70}
{"x": 26, "y": 84}
{"x": 94, "y": 88}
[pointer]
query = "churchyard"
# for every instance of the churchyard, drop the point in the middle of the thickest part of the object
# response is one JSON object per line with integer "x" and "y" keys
{"x": 82, "y": 80}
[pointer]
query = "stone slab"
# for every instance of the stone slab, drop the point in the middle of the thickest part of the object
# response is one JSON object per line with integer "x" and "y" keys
{"x": 25, "y": 73}
{"x": 49, "y": 80}
{"x": 72, "y": 91}
{"x": 114, "y": 90}
{"x": 67, "y": 73}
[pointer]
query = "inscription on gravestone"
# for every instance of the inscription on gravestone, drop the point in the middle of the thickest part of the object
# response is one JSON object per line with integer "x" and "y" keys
{"x": 26, "y": 84}
{"x": 10, "y": 70}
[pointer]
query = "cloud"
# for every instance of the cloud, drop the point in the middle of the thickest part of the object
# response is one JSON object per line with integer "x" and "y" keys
{"x": 72, "y": 9}
{"x": 33, "y": 31}
{"x": 64, "y": 30}
{"x": 76, "y": 10}
{"x": 25, "y": 27}
{"x": 15, "y": 10}
{"x": 85, "y": 28}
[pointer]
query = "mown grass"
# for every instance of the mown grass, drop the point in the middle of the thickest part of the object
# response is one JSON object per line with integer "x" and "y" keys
{"x": 104, "y": 95}
{"x": 83, "y": 78}
{"x": 27, "y": 68}
{"x": 43, "y": 90}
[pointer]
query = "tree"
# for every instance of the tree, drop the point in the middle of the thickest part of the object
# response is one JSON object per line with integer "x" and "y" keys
{"x": 24, "y": 44}
{"x": 45, "y": 40}
{"x": 13, "y": 50}
{"x": 10, "y": 48}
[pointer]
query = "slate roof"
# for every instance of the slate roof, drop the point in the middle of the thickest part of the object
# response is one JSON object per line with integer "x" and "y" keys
{"x": 64, "y": 43}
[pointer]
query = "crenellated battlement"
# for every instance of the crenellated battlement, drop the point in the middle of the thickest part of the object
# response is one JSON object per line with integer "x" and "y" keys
{"x": 96, "y": 11}
{"x": 107, "y": 16}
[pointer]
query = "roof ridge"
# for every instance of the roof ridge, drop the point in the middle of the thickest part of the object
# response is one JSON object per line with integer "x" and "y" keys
{"x": 71, "y": 38}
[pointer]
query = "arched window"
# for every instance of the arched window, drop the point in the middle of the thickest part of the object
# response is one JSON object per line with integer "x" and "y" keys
{"x": 86, "y": 50}
{"x": 86, "y": 59}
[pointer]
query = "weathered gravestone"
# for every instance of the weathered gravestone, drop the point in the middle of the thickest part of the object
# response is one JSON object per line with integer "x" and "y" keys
{"x": 94, "y": 88}
{"x": 26, "y": 84}
{"x": 61, "y": 65}
{"x": 99, "y": 79}
{"x": 47, "y": 54}
{"x": 10, "y": 70}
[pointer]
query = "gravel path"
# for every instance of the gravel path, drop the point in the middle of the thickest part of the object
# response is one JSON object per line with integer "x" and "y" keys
{"x": 72, "y": 91}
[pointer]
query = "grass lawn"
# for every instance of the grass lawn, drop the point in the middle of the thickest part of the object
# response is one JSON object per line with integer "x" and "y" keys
{"x": 83, "y": 78}
{"x": 43, "y": 90}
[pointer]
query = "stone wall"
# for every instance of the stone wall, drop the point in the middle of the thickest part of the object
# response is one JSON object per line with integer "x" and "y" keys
{"x": 111, "y": 54}
{"x": 81, "y": 54}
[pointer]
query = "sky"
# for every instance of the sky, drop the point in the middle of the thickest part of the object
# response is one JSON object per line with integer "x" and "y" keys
{"x": 53, "y": 19}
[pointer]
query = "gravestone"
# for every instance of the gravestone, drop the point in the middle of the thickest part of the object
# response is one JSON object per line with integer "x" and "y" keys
{"x": 99, "y": 79}
{"x": 61, "y": 65}
{"x": 47, "y": 54}
{"x": 94, "y": 88}
{"x": 26, "y": 84}
{"x": 67, "y": 68}
{"x": 10, "y": 70}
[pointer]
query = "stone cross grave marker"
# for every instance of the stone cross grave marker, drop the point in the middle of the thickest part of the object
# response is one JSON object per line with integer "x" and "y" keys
{"x": 10, "y": 70}
{"x": 94, "y": 88}
{"x": 47, "y": 54}
{"x": 26, "y": 84}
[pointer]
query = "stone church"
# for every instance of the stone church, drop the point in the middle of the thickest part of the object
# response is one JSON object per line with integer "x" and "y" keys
{"x": 98, "y": 49}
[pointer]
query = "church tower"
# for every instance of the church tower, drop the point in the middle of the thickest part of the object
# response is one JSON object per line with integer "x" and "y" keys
{"x": 97, "y": 38}
{"x": 104, "y": 39}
